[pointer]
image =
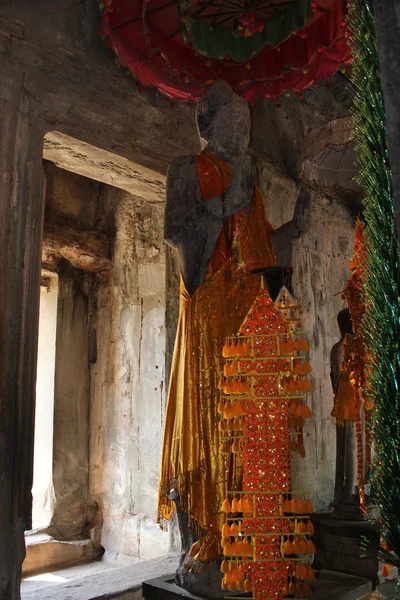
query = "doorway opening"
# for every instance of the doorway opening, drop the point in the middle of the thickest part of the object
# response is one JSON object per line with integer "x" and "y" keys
{"x": 106, "y": 324}
{"x": 42, "y": 490}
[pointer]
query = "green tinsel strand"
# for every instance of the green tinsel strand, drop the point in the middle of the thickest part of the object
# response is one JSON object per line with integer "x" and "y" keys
{"x": 381, "y": 323}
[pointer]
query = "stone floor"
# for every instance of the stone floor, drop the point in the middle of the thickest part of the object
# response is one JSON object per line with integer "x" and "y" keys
{"x": 101, "y": 579}
{"x": 117, "y": 579}
{"x": 386, "y": 591}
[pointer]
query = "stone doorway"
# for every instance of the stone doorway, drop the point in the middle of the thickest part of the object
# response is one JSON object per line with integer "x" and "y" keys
{"x": 102, "y": 368}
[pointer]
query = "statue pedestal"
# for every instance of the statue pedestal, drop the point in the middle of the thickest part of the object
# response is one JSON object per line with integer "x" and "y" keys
{"x": 389, "y": 590}
{"x": 165, "y": 588}
{"x": 329, "y": 586}
{"x": 338, "y": 544}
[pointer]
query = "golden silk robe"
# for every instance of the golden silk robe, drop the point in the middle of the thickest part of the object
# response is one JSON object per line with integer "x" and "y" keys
{"x": 191, "y": 461}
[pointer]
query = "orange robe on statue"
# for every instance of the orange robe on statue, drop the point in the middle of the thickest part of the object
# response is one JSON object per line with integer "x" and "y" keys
{"x": 191, "y": 461}
{"x": 345, "y": 407}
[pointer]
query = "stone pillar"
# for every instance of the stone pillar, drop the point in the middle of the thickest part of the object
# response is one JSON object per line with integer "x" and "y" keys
{"x": 387, "y": 15}
{"x": 128, "y": 384}
{"x": 71, "y": 405}
{"x": 21, "y": 218}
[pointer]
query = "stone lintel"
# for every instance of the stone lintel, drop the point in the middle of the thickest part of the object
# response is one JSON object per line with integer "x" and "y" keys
{"x": 96, "y": 163}
{"x": 86, "y": 250}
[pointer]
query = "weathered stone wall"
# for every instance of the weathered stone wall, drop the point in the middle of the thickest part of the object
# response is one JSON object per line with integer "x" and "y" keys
{"x": 321, "y": 262}
{"x": 71, "y": 405}
{"x": 321, "y": 271}
{"x": 110, "y": 390}
{"x": 128, "y": 384}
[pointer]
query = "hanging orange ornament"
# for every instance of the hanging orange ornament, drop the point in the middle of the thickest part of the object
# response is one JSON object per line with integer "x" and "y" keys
{"x": 226, "y": 506}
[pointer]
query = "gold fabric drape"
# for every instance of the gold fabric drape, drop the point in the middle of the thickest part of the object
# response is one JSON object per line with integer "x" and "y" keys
{"x": 191, "y": 462}
{"x": 344, "y": 407}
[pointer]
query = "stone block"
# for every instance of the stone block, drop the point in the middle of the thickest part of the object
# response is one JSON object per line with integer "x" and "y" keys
{"x": 45, "y": 553}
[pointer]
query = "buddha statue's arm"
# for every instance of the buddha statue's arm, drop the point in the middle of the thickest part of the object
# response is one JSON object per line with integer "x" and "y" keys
{"x": 190, "y": 225}
{"x": 284, "y": 236}
{"x": 184, "y": 204}
{"x": 181, "y": 204}
{"x": 335, "y": 365}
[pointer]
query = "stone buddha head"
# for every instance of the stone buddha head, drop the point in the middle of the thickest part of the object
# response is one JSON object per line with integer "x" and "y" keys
{"x": 223, "y": 121}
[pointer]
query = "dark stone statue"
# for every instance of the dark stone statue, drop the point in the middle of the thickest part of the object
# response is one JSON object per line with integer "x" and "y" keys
{"x": 346, "y": 499}
{"x": 193, "y": 226}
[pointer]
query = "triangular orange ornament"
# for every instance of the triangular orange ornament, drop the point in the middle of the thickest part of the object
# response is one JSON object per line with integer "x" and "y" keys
{"x": 301, "y": 527}
{"x": 309, "y": 507}
{"x": 226, "y": 506}
{"x": 229, "y": 575}
{"x": 301, "y": 506}
{"x": 247, "y": 586}
{"x": 235, "y": 505}
{"x": 304, "y": 345}
{"x": 228, "y": 549}
{"x": 224, "y": 568}
{"x": 311, "y": 547}
{"x": 299, "y": 410}
{"x": 288, "y": 547}
{"x": 287, "y": 507}
{"x": 296, "y": 547}
{"x": 303, "y": 547}
{"x": 310, "y": 528}
{"x": 298, "y": 370}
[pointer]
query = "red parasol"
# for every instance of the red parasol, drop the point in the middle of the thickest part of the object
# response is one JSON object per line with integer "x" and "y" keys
{"x": 161, "y": 49}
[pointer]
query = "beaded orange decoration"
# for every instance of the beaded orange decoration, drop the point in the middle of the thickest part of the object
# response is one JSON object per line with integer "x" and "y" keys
{"x": 266, "y": 539}
{"x": 356, "y": 358}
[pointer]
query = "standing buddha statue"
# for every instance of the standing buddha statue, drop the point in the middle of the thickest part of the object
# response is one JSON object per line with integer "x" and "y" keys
{"x": 215, "y": 218}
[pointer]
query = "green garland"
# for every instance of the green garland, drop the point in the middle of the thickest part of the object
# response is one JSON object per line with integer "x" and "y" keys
{"x": 381, "y": 326}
